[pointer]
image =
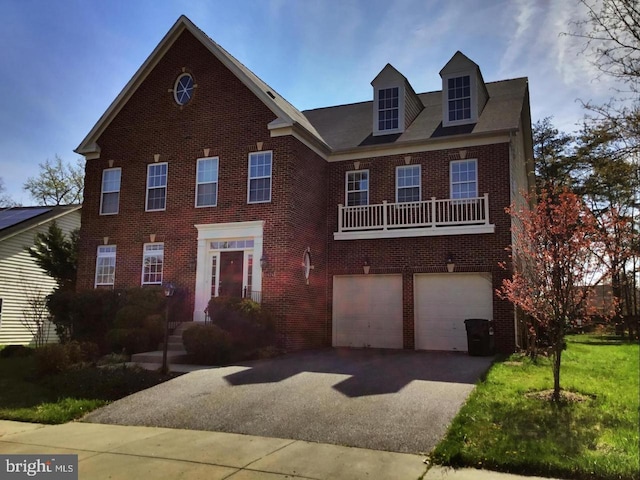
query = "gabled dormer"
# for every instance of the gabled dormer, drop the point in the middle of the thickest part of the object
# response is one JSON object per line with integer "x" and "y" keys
{"x": 395, "y": 103}
{"x": 464, "y": 93}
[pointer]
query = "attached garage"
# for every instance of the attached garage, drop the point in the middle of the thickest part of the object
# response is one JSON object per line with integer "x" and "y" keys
{"x": 367, "y": 311}
{"x": 443, "y": 301}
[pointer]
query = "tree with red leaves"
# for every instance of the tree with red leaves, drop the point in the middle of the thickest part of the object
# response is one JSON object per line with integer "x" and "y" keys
{"x": 555, "y": 253}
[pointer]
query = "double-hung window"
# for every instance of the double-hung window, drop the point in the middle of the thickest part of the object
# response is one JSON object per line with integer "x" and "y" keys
{"x": 259, "y": 177}
{"x": 408, "y": 183}
{"x": 459, "y": 98}
{"x": 106, "y": 265}
{"x": 388, "y": 109}
{"x": 110, "y": 197}
{"x": 152, "y": 263}
{"x": 464, "y": 179}
{"x": 207, "y": 182}
{"x": 156, "y": 186}
{"x": 357, "y": 188}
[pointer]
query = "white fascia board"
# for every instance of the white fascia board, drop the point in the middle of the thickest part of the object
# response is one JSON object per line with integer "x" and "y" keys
{"x": 415, "y": 232}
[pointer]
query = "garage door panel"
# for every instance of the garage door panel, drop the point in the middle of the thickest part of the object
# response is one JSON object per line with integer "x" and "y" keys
{"x": 367, "y": 311}
{"x": 442, "y": 303}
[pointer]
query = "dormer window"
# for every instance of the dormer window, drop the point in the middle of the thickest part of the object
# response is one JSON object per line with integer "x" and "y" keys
{"x": 459, "y": 98}
{"x": 464, "y": 93}
{"x": 388, "y": 109}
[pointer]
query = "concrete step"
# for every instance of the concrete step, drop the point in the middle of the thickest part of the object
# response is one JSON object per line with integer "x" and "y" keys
{"x": 173, "y": 356}
{"x": 172, "y": 346}
{"x": 182, "y": 327}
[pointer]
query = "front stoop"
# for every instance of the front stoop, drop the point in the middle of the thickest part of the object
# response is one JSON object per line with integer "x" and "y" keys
{"x": 176, "y": 353}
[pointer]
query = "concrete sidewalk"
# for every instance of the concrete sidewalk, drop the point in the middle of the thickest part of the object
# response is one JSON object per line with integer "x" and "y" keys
{"x": 120, "y": 452}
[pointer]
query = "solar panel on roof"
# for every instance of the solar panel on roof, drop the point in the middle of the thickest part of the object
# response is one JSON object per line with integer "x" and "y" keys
{"x": 14, "y": 216}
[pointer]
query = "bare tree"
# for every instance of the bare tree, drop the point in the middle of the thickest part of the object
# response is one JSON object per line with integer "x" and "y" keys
{"x": 35, "y": 316}
{"x": 57, "y": 184}
{"x": 5, "y": 200}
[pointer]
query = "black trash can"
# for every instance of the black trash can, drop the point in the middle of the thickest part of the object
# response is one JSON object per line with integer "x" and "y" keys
{"x": 479, "y": 336}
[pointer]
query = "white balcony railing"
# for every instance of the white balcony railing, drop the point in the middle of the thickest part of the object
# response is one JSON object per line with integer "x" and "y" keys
{"x": 415, "y": 215}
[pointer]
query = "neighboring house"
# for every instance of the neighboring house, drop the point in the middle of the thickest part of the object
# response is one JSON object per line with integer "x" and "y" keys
{"x": 377, "y": 224}
{"x": 23, "y": 284}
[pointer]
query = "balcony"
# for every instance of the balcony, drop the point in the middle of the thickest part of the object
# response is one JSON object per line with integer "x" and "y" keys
{"x": 433, "y": 217}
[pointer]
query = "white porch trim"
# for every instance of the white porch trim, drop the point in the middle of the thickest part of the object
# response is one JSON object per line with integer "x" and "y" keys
{"x": 224, "y": 231}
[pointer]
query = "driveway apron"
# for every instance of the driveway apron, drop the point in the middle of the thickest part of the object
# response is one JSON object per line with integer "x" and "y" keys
{"x": 394, "y": 400}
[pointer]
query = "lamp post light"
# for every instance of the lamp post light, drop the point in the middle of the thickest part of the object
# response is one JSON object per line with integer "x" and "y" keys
{"x": 169, "y": 290}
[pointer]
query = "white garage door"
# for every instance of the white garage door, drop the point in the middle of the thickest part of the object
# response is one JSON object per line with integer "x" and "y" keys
{"x": 443, "y": 302}
{"x": 367, "y": 311}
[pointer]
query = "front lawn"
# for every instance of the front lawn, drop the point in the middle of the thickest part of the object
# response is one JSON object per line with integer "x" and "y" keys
{"x": 65, "y": 396}
{"x": 501, "y": 428}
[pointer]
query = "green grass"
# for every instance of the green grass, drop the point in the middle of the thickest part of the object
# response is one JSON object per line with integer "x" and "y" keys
{"x": 500, "y": 428}
{"x": 66, "y": 396}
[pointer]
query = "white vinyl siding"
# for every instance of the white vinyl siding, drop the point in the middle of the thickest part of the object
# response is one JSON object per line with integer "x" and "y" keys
{"x": 156, "y": 187}
{"x": 106, "y": 265}
{"x": 259, "y": 184}
{"x": 357, "y": 188}
{"x": 207, "y": 182}
{"x": 152, "y": 263}
{"x": 110, "y": 196}
{"x": 20, "y": 277}
{"x": 408, "y": 183}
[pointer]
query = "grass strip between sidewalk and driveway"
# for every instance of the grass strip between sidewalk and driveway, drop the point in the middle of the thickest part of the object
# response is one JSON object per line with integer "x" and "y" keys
{"x": 502, "y": 428}
{"x": 60, "y": 398}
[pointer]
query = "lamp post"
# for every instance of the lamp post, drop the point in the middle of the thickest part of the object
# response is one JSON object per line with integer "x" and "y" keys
{"x": 169, "y": 290}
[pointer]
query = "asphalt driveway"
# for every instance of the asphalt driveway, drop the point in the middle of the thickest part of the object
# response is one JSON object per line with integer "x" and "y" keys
{"x": 395, "y": 400}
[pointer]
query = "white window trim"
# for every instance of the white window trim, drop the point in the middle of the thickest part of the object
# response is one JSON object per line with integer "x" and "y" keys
{"x": 249, "y": 178}
{"x": 473, "y": 90}
{"x": 451, "y": 163}
{"x": 217, "y": 182}
{"x": 102, "y": 191}
{"x": 151, "y": 253}
{"x": 406, "y": 167}
{"x": 166, "y": 189}
{"x": 346, "y": 186}
{"x": 401, "y": 109}
{"x": 107, "y": 254}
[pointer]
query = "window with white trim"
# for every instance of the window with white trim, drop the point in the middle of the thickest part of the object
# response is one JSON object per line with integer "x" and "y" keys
{"x": 459, "y": 98}
{"x": 106, "y": 265}
{"x": 152, "y": 263}
{"x": 207, "y": 182}
{"x": 408, "y": 183}
{"x": 110, "y": 195}
{"x": 259, "y": 189}
{"x": 156, "y": 186}
{"x": 357, "y": 188}
{"x": 388, "y": 109}
{"x": 464, "y": 179}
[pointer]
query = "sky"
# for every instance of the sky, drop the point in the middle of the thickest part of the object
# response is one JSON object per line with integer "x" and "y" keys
{"x": 62, "y": 62}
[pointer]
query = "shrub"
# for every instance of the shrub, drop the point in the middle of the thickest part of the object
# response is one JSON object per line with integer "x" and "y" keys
{"x": 13, "y": 351}
{"x": 52, "y": 358}
{"x": 207, "y": 344}
{"x": 137, "y": 329}
{"x": 249, "y": 325}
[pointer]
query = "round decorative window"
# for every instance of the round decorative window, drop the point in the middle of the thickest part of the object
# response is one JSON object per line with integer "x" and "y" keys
{"x": 183, "y": 90}
{"x": 306, "y": 264}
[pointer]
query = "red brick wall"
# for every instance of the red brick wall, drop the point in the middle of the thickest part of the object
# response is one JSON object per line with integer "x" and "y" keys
{"x": 472, "y": 253}
{"x": 227, "y": 118}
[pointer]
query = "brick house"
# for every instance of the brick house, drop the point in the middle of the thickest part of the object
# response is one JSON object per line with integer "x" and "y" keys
{"x": 375, "y": 224}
